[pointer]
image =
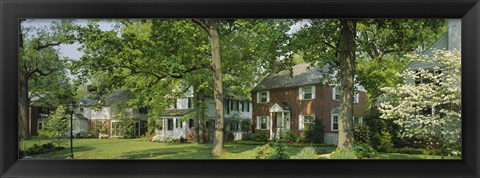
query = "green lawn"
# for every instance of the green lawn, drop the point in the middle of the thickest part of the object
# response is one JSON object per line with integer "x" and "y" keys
{"x": 140, "y": 149}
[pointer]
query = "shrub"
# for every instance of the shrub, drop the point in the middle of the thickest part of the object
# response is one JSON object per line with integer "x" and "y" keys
{"x": 364, "y": 151}
{"x": 386, "y": 144}
{"x": 345, "y": 153}
{"x": 191, "y": 137}
{"x": 181, "y": 140}
{"x": 300, "y": 139}
{"x": 263, "y": 152}
{"x": 45, "y": 148}
{"x": 314, "y": 132}
{"x": 361, "y": 134}
{"x": 258, "y": 136}
{"x": 279, "y": 151}
{"x": 307, "y": 153}
{"x": 291, "y": 136}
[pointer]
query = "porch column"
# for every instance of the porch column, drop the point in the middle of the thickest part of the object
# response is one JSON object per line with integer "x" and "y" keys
{"x": 283, "y": 124}
{"x": 163, "y": 127}
{"x": 271, "y": 126}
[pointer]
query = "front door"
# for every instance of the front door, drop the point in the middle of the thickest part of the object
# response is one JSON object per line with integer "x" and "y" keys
{"x": 285, "y": 125}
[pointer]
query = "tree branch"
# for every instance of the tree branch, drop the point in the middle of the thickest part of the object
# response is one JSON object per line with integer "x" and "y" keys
{"x": 201, "y": 24}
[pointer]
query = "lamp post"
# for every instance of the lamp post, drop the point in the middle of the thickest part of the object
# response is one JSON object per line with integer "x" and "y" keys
{"x": 70, "y": 106}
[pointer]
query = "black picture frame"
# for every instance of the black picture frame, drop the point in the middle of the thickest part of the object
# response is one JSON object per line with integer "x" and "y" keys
{"x": 11, "y": 11}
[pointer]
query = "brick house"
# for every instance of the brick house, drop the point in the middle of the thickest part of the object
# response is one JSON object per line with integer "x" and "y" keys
{"x": 291, "y": 102}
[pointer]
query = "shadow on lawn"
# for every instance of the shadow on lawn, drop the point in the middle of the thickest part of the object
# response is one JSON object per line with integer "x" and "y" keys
{"x": 182, "y": 151}
{"x": 63, "y": 154}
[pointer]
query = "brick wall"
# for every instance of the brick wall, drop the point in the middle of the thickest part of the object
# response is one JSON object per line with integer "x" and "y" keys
{"x": 321, "y": 106}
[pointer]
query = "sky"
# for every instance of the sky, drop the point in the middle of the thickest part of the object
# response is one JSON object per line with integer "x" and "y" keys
{"x": 70, "y": 50}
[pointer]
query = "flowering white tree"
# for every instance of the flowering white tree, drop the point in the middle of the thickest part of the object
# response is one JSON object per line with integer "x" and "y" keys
{"x": 428, "y": 104}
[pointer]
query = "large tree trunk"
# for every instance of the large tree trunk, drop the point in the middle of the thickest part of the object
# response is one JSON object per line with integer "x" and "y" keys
{"x": 217, "y": 86}
{"x": 199, "y": 122}
{"x": 23, "y": 99}
{"x": 201, "y": 117}
{"x": 23, "y": 105}
{"x": 347, "y": 67}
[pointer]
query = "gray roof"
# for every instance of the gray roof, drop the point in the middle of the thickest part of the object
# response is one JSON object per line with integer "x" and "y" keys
{"x": 106, "y": 99}
{"x": 441, "y": 43}
{"x": 284, "y": 105}
{"x": 176, "y": 112}
{"x": 302, "y": 75}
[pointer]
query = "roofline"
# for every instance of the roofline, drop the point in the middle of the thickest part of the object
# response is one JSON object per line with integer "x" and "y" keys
{"x": 294, "y": 86}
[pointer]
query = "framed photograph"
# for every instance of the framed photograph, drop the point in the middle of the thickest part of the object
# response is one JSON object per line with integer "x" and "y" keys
{"x": 239, "y": 88}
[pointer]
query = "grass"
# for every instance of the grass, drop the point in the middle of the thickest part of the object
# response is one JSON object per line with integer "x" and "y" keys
{"x": 140, "y": 149}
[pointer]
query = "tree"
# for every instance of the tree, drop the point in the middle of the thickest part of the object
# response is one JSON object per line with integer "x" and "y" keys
{"x": 42, "y": 71}
{"x": 150, "y": 57}
{"x": 337, "y": 42}
{"x": 212, "y": 28}
{"x": 57, "y": 124}
{"x": 124, "y": 123}
{"x": 431, "y": 108}
{"x": 153, "y": 57}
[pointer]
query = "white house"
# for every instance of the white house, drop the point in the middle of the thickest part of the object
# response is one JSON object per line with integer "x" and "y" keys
{"x": 237, "y": 114}
{"x": 89, "y": 112}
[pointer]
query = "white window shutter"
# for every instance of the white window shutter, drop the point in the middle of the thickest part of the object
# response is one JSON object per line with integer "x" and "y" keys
{"x": 300, "y": 93}
{"x": 258, "y": 97}
{"x": 313, "y": 91}
{"x": 268, "y": 96}
{"x": 258, "y": 122}
{"x": 300, "y": 122}
{"x": 333, "y": 93}
{"x": 268, "y": 122}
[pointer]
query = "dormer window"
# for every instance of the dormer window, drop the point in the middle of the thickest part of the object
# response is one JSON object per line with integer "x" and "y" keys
{"x": 306, "y": 92}
{"x": 263, "y": 96}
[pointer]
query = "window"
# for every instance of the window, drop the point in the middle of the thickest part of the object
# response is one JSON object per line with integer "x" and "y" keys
{"x": 262, "y": 123}
{"x": 355, "y": 97}
{"x": 233, "y": 105}
{"x": 190, "y": 123}
{"x": 233, "y": 126}
{"x": 40, "y": 125}
{"x": 247, "y": 105}
{"x": 419, "y": 78}
{"x": 336, "y": 93}
{"x": 143, "y": 124}
{"x": 308, "y": 120}
{"x": 81, "y": 109}
{"x": 115, "y": 128}
{"x": 334, "y": 124}
{"x": 143, "y": 110}
{"x": 137, "y": 128}
{"x": 263, "y": 96}
{"x": 179, "y": 124}
{"x": 189, "y": 104}
{"x": 238, "y": 105}
{"x": 357, "y": 120}
{"x": 243, "y": 106}
{"x": 307, "y": 92}
{"x": 169, "y": 124}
